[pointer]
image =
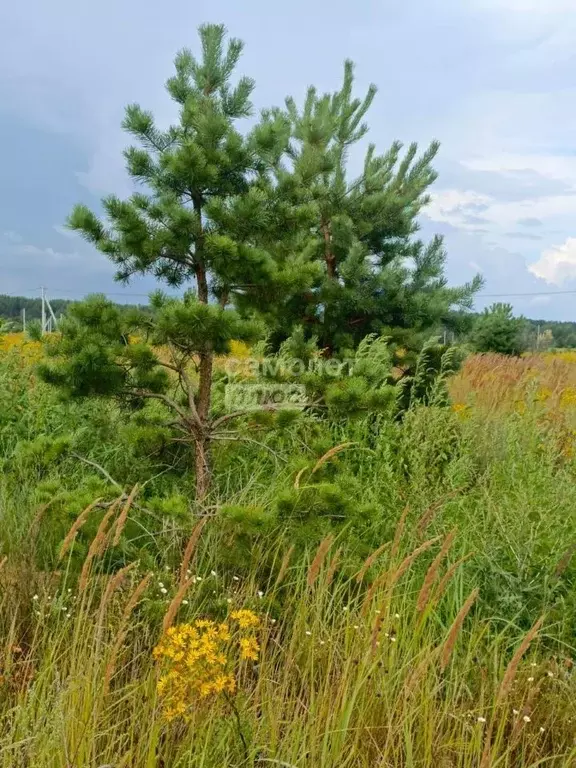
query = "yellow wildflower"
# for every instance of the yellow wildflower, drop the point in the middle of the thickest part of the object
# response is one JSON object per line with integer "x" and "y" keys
{"x": 568, "y": 397}
{"x": 224, "y": 683}
{"x": 246, "y": 618}
{"x": 543, "y": 394}
{"x": 203, "y": 623}
{"x": 198, "y": 662}
{"x": 249, "y": 648}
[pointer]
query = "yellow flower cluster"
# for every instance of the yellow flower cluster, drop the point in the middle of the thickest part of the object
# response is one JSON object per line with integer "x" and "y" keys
{"x": 199, "y": 659}
{"x": 245, "y": 618}
{"x": 239, "y": 349}
{"x": 461, "y": 410}
{"x": 568, "y": 397}
{"x": 543, "y": 394}
{"x": 249, "y": 648}
{"x": 568, "y": 356}
{"x": 28, "y": 352}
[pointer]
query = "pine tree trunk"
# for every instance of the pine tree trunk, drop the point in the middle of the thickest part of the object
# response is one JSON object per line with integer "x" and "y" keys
{"x": 202, "y": 464}
{"x": 329, "y": 257}
{"x": 205, "y": 386}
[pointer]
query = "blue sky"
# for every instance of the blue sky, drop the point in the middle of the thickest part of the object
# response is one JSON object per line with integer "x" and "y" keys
{"x": 493, "y": 80}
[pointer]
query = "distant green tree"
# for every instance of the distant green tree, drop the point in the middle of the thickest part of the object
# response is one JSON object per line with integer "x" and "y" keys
{"x": 11, "y": 307}
{"x": 497, "y": 330}
{"x": 34, "y": 330}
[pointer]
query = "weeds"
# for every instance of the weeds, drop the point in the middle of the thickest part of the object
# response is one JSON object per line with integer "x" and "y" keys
{"x": 435, "y": 631}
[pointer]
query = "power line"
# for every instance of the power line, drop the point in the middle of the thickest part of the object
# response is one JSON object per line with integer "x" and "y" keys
{"x": 70, "y": 291}
{"x": 106, "y": 293}
{"x": 129, "y": 294}
{"x": 533, "y": 293}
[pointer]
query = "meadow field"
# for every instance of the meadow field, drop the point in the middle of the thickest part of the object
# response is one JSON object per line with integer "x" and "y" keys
{"x": 369, "y": 592}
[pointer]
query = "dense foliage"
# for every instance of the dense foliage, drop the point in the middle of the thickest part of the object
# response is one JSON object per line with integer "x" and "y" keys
{"x": 272, "y": 521}
{"x": 361, "y": 269}
{"x": 497, "y": 330}
{"x": 492, "y": 476}
{"x": 267, "y": 221}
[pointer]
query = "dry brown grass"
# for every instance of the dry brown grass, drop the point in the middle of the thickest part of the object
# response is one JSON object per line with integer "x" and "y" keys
{"x": 191, "y": 548}
{"x": 496, "y": 382}
{"x": 316, "y": 564}
{"x": 454, "y": 631}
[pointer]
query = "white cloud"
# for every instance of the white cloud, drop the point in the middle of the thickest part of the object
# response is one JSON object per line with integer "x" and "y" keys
{"x": 49, "y": 254}
{"x": 529, "y": 6}
{"x": 455, "y": 206}
{"x": 69, "y": 234}
{"x": 557, "y": 265}
{"x": 13, "y": 237}
{"x": 540, "y": 301}
{"x": 462, "y": 208}
{"x": 554, "y": 167}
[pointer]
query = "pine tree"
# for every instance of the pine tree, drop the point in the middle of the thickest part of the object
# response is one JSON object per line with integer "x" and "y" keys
{"x": 361, "y": 270}
{"x": 205, "y": 208}
{"x": 497, "y": 330}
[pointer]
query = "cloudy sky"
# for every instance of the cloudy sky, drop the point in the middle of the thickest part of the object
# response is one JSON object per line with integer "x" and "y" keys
{"x": 492, "y": 79}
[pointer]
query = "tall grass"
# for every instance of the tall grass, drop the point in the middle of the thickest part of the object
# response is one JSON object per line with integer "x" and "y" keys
{"x": 436, "y": 687}
{"x": 438, "y": 632}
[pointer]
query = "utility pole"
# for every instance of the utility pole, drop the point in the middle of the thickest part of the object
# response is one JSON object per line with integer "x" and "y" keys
{"x": 23, "y": 319}
{"x": 52, "y": 318}
{"x": 43, "y": 311}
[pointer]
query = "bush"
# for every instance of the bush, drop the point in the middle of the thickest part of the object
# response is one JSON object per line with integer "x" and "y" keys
{"x": 497, "y": 330}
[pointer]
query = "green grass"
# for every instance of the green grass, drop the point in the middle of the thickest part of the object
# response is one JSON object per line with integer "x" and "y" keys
{"x": 349, "y": 674}
{"x": 323, "y": 693}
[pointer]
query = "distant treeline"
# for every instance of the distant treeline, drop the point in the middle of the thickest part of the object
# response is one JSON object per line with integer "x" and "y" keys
{"x": 541, "y": 334}
{"x": 563, "y": 333}
{"x": 11, "y": 309}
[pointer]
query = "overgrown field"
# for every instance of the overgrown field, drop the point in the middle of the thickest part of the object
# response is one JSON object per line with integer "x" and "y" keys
{"x": 366, "y": 592}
